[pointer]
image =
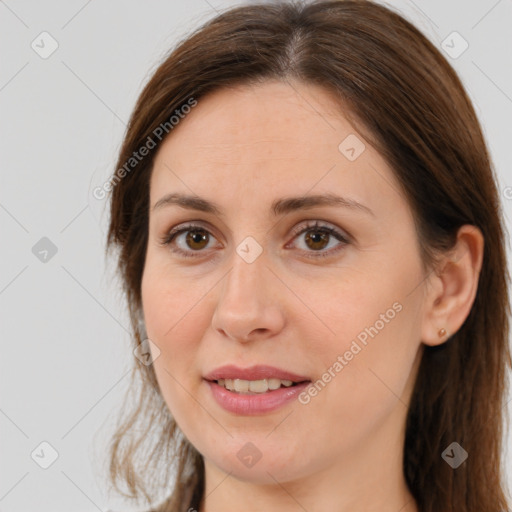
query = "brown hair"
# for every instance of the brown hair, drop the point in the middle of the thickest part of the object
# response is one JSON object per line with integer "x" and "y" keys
{"x": 414, "y": 110}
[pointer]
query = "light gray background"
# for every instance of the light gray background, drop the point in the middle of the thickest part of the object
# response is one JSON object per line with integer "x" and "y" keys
{"x": 64, "y": 331}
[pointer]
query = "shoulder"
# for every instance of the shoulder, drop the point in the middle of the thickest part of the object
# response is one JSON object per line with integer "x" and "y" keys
{"x": 149, "y": 510}
{"x": 110, "y": 510}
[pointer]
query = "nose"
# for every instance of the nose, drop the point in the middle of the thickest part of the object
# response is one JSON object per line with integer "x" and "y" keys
{"x": 249, "y": 306}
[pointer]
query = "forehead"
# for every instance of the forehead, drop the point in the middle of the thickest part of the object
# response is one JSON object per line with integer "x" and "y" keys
{"x": 273, "y": 116}
{"x": 273, "y": 138}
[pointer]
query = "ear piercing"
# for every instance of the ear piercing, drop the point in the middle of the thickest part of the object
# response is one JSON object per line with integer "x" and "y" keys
{"x": 441, "y": 332}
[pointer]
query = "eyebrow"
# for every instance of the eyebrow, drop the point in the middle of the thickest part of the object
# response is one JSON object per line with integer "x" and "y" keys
{"x": 278, "y": 207}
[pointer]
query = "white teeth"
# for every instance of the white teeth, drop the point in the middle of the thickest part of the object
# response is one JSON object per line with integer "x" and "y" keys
{"x": 241, "y": 386}
{"x": 253, "y": 386}
{"x": 274, "y": 383}
{"x": 258, "y": 386}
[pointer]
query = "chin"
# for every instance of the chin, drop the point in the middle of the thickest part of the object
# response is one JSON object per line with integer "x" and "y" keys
{"x": 261, "y": 464}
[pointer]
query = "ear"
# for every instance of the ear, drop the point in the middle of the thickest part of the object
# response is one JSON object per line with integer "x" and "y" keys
{"x": 451, "y": 289}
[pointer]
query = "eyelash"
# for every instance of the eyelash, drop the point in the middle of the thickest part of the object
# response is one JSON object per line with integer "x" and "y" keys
{"x": 173, "y": 233}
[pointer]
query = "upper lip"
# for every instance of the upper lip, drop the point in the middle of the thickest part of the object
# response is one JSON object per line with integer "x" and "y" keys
{"x": 257, "y": 372}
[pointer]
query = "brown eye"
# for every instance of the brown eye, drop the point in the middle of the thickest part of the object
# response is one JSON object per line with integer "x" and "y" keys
{"x": 318, "y": 240}
{"x": 191, "y": 240}
{"x": 318, "y": 237}
{"x": 197, "y": 239}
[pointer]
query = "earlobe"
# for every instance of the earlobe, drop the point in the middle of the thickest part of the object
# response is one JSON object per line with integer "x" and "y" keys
{"x": 453, "y": 289}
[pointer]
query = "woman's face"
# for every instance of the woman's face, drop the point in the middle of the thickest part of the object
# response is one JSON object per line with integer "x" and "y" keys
{"x": 257, "y": 283}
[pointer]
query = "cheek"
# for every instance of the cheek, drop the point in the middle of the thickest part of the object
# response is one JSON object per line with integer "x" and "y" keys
{"x": 173, "y": 318}
{"x": 369, "y": 358}
{"x": 173, "y": 307}
{"x": 173, "y": 324}
{"x": 365, "y": 390}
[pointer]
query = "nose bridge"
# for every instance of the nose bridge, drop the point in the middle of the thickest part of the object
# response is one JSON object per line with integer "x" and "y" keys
{"x": 249, "y": 257}
{"x": 247, "y": 301}
{"x": 245, "y": 282}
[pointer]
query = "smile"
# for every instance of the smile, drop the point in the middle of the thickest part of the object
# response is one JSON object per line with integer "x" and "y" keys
{"x": 252, "y": 403}
{"x": 254, "y": 386}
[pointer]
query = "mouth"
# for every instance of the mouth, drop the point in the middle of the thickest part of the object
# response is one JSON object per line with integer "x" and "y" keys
{"x": 250, "y": 403}
{"x": 256, "y": 387}
{"x": 256, "y": 390}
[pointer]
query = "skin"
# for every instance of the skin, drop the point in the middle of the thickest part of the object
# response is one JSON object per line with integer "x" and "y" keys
{"x": 242, "y": 148}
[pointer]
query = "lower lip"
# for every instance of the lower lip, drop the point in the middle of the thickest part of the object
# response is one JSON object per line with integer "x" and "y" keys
{"x": 251, "y": 405}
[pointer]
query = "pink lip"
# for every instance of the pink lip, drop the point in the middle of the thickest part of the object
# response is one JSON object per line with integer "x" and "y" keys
{"x": 252, "y": 405}
{"x": 257, "y": 372}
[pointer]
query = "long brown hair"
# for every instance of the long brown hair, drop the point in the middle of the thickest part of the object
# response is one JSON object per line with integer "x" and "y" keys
{"x": 412, "y": 107}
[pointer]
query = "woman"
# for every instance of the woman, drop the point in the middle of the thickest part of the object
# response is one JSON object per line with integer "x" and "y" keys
{"x": 312, "y": 250}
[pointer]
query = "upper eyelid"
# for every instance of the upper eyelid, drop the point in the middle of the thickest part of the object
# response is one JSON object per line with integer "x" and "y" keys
{"x": 298, "y": 229}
